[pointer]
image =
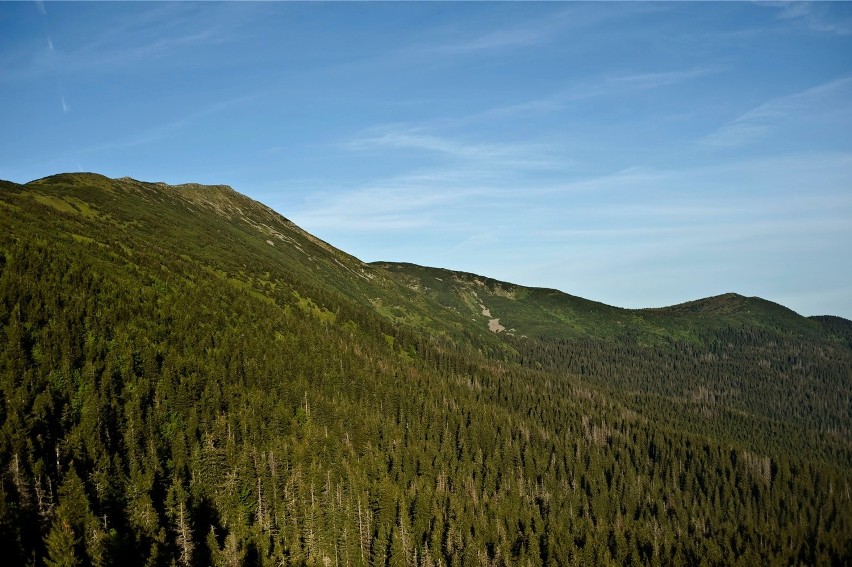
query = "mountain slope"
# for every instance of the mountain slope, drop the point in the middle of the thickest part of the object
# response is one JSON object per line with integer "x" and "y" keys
{"x": 548, "y": 313}
{"x": 238, "y": 240}
{"x": 218, "y": 224}
{"x": 244, "y": 229}
{"x": 741, "y": 367}
{"x": 188, "y": 378}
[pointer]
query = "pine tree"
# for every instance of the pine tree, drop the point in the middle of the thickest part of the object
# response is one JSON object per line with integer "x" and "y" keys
{"x": 61, "y": 543}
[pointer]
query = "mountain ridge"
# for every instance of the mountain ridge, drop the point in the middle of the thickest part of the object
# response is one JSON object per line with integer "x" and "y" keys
{"x": 555, "y": 314}
{"x": 513, "y": 308}
{"x": 724, "y": 303}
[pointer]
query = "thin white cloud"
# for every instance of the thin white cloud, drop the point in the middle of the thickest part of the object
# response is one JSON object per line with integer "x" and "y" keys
{"x": 497, "y": 155}
{"x": 624, "y": 84}
{"x": 815, "y": 16}
{"x": 167, "y": 44}
{"x": 40, "y": 6}
{"x": 629, "y": 83}
{"x": 65, "y": 107}
{"x": 690, "y": 233}
{"x": 636, "y": 198}
{"x": 629, "y": 205}
{"x": 153, "y": 34}
{"x": 759, "y": 121}
{"x": 673, "y": 213}
{"x": 501, "y": 39}
{"x": 645, "y": 81}
{"x": 524, "y": 34}
{"x": 532, "y": 32}
{"x": 403, "y": 203}
{"x": 518, "y": 155}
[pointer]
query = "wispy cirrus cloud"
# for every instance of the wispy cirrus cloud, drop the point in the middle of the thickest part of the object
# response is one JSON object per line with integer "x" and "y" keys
{"x": 631, "y": 202}
{"x": 500, "y": 39}
{"x": 523, "y": 34}
{"x": 814, "y": 17}
{"x": 497, "y": 155}
{"x": 645, "y": 81}
{"x": 760, "y": 120}
{"x": 463, "y": 176}
{"x": 407, "y": 202}
{"x": 623, "y": 84}
{"x": 152, "y": 35}
{"x": 529, "y": 32}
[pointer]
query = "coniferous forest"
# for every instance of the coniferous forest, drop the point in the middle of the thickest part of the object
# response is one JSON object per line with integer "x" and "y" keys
{"x": 187, "y": 378}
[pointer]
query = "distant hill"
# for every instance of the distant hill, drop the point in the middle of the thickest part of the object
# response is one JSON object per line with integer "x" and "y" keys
{"x": 549, "y": 313}
{"x": 188, "y": 378}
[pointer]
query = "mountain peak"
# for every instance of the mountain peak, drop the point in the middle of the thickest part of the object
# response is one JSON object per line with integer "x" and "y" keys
{"x": 72, "y": 178}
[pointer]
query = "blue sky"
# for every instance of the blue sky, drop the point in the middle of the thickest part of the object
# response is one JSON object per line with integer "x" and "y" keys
{"x": 639, "y": 154}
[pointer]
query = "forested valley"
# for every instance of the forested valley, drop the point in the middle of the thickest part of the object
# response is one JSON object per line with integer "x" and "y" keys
{"x": 187, "y": 378}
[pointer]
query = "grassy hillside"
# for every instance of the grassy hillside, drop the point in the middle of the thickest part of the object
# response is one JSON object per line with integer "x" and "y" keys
{"x": 551, "y": 314}
{"x": 188, "y": 378}
{"x": 241, "y": 238}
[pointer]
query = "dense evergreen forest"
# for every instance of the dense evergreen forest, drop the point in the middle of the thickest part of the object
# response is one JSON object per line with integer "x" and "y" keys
{"x": 187, "y": 378}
